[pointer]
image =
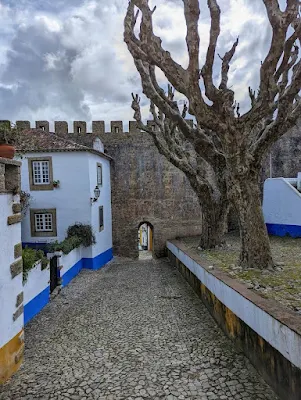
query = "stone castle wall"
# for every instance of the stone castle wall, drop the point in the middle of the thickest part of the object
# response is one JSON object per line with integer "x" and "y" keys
{"x": 146, "y": 187}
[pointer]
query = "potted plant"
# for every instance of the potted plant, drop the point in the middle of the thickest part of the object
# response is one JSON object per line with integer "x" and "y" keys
{"x": 56, "y": 184}
{"x": 8, "y": 138}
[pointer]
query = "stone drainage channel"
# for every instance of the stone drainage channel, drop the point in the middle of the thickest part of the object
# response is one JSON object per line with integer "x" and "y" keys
{"x": 133, "y": 330}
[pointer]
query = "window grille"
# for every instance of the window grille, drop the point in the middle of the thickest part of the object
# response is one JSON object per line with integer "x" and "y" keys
{"x": 43, "y": 222}
{"x": 40, "y": 170}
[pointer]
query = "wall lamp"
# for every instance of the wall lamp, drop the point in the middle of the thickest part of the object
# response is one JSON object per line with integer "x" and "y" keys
{"x": 96, "y": 195}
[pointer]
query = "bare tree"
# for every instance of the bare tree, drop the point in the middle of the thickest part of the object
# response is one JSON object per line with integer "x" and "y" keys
{"x": 242, "y": 140}
{"x": 209, "y": 187}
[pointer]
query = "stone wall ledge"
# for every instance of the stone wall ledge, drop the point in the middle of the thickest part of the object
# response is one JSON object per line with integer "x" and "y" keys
{"x": 270, "y": 306}
{"x": 267, "y": 332}
{"x": 14, "y": 219}
{"x": 8, "y": 161}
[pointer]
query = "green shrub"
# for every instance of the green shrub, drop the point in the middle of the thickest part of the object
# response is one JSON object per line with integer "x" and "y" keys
{"x": 30, "y": 257}
{"x": 77, "y": 235}
{"x": 84, "y": 232}
{"x": 66, "y": 245}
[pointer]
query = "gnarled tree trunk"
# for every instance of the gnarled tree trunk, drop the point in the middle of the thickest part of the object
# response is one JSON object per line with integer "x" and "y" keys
{"x": 214, "y": 225}
{"x": 221, "y": 131}
{"x": 245, "y": 194}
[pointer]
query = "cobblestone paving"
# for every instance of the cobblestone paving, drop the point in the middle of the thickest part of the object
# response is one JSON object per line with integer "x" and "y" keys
{"x": 134, "y": 330}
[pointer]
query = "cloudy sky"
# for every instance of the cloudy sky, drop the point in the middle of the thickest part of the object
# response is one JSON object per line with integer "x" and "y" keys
{"x": 66, "y": 60}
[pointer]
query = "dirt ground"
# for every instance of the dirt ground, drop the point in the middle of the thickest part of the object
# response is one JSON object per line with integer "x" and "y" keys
{"x": 282, "y": 284}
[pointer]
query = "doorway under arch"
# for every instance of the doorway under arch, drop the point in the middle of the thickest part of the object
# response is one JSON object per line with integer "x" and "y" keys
{"x": 145, "y": 240}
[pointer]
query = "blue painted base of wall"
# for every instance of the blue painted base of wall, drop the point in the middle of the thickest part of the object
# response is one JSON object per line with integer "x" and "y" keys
{"x": 88, "y": 263}
{"x": 36, "y": 246}
{"x": 72, "y": 272}
{"x": 98, "y": 261}
{"x": 293, "y": 231}
{"x": 39, "y": 302}
{"x": 36, "y": 305}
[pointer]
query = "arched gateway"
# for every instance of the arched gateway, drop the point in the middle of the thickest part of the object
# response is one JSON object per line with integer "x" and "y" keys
{"x": 145, "y": 240}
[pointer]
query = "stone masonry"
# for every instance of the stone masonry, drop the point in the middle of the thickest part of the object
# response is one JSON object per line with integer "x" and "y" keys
{"x": 147, "y": 188}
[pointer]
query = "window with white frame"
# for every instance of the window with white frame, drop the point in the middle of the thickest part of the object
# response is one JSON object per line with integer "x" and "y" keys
{"x": 40, "y": 170}
{"x": 40, "y": 173}
{"x": 43, "y": 222}
{"x": 99, "y": 174}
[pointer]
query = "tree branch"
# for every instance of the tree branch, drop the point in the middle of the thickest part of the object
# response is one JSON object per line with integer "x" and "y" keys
{"x": 149, "y": 47}
{"x": 226, "y": 65}
{"x": 207, "y": 71}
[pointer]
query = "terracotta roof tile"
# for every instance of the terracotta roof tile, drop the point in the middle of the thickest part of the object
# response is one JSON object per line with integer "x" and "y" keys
{"x": 37, "y": 140}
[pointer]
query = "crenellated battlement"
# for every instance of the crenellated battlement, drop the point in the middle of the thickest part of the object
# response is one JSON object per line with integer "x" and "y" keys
{"x": 80, "y": 127}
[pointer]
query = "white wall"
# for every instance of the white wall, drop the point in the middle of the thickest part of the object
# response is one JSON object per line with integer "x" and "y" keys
{"x": 37, "y": 281}
{"x": 77, "y": 173}
{"x": 278, "y": 335}
{"x": 69, "y": 260}
{"x": 9, "y": 288}
{"x": 103, "y": 238}
{"x": 281, "y": 203}
{"x": 71, "y": 199}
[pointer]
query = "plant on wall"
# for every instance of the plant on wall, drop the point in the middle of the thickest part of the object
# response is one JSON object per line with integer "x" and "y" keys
{"x": 24, "y": 201}
{"x": 66, "y": 246}
{"x": 84, "y": 232}
{"x": 30, "y": 258}
{"x": 9, "y": 137}
{"x": 77, "y": 235}
{"x": 56, "y": 184}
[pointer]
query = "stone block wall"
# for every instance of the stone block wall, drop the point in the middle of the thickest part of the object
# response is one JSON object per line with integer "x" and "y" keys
{"x": 146, "y": 187}
{"x": 284, "y": 160}
{"x": 11, "y": 268}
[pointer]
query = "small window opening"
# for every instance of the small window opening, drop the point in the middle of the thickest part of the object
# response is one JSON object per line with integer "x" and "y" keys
{"x": 153, "y": 128}
{"x": 79, "y": 129}
{"x": 99, "y": 175}
{"x": 116, "y": 129}
{"x": 101, "y": 219}
{"x": 145, "y": 241}
{"x": 42, "y": 127}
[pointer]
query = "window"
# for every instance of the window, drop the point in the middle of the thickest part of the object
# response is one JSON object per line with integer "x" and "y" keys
{"x": 40, "y": 173}
{"x": 42, "y": 127}
{"x": 43, "y": 222}
{"x": 116, "y": 129}
{"x": 99, "y": 174}
{"x": 101, "y": 222}
{"x": 79, "y": 130}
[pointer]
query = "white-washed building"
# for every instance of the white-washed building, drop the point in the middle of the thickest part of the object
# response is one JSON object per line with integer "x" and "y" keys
{"x": 62, "y": 178}
{"x": 282, "y": 205}
{"x": 11, "y": 288}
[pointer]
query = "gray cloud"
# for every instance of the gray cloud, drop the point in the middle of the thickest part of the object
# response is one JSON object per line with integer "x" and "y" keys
{"x": 66, "y": 59}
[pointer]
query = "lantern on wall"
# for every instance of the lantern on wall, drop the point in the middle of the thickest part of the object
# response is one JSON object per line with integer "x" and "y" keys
{"x": 96, "y": 194}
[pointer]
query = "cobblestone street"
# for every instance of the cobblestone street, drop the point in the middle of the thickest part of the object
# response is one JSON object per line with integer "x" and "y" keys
{"x": 134, "y": 330}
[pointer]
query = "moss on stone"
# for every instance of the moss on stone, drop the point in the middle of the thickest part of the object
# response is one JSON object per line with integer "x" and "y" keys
{"x": 282, "y": 284}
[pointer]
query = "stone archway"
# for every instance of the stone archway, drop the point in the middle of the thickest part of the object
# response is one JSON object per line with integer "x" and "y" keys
{"x": 145, "y": 240}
